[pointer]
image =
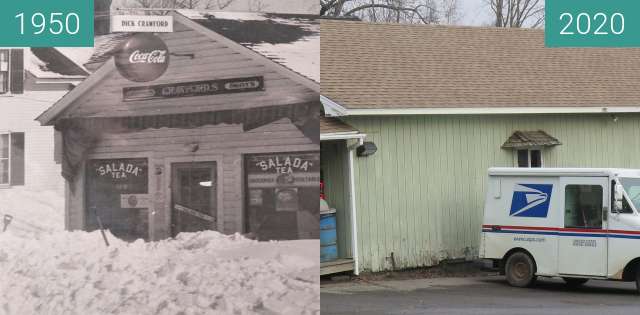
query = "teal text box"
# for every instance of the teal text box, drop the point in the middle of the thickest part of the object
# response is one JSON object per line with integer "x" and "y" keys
{"x": 67, "y": 23}
{"x": 592, "y": 23}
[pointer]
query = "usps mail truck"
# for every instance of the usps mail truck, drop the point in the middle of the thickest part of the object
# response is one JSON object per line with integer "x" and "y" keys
{"x": 573, "y": 223}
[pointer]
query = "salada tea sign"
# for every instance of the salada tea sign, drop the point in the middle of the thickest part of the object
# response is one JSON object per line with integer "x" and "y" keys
{"x": 143, "y": 58}
{"x": 196, "y": 88}
{"x": 284, "y": 170}
{"x": 142, "y": 23}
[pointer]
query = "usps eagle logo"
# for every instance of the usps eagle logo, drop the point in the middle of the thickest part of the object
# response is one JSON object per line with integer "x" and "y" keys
{"x": 531, "y": 200}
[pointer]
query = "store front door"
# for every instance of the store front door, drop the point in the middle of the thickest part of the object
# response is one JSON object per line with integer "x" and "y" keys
{"x": 193, "y": 197}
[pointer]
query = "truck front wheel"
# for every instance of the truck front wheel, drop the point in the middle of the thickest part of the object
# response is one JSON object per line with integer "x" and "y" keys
{"x": 638, "y": 279}
{"x": 520, "y": 270}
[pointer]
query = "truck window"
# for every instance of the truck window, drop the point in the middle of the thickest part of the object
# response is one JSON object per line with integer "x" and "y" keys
{"x": 632, "y": 187}
{"x": 583, "y": 206}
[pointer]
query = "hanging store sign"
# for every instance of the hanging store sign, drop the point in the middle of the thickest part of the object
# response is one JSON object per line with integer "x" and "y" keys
{"x": 133, "y": 201}
{"x": 196, "y": 88}
{"x": 143, "y": 58}
{"x": 142, "y": 23}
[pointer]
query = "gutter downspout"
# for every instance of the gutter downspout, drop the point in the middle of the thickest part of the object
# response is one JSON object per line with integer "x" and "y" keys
{"x": 354, "y": 223}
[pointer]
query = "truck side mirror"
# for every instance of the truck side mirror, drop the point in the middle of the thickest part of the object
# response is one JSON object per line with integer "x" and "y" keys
{"x": 618, "y": 193}
{"x": 617, "y": 207}
{"x": 617, "y": 198}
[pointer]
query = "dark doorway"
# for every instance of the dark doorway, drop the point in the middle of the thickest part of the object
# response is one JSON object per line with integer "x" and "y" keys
{"x": 193, "y": 197}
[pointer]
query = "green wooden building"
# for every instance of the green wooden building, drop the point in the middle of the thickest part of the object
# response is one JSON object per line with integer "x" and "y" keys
{"x": 443, "y": 104}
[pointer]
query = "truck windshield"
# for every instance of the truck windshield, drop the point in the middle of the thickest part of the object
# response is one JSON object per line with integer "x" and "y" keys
{"x": 632, "y": 187}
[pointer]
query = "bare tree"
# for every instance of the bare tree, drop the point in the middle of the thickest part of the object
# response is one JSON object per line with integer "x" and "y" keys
{"x": 518, "y": 13}
{"x": 183, "y": 4}
{"x": 257, "y": 6}
{"x": 450, "y": 11}
{"x": 396, "y": 11}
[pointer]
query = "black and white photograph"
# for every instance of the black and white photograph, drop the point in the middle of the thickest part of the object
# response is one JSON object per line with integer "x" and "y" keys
{"x": 172, "y": 168}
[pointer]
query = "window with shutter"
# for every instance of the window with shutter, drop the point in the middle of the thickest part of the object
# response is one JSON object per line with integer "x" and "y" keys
{"x": 17, "y": 158}
{"x": 4, "y": 71}
{"x": 5, "y": 147}
{"x": 12, "y": 159}
{"x": 16, "y": 76}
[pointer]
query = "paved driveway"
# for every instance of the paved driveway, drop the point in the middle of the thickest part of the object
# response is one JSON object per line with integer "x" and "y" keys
{"x": 483, "y": 295}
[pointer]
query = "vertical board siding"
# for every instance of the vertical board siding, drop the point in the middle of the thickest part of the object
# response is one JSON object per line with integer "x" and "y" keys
{"x": 420, "y": 197}
{"x": 335, "y": 175}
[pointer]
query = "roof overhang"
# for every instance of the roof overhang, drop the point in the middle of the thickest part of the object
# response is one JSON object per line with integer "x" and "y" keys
{"x": 334, "y": 109}
{"x": 342, "y": 136}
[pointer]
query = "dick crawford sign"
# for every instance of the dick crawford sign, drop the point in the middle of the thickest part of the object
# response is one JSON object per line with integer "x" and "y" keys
{"x": 142, "y": 23}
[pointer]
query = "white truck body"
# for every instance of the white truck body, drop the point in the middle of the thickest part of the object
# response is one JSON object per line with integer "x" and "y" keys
{"x": 573, "y": 222}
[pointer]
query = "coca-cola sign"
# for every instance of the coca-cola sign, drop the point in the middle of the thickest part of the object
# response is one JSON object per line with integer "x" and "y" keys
{"x": 143, "y": 58}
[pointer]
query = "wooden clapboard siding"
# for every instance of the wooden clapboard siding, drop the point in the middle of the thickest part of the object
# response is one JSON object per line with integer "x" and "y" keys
{"x": 18, "y": 113}
{"x": 421, "y": 195}
{"x": 226, "y": 143}
{"x": 213, "y": 60}
{"x": 335, "y": 171}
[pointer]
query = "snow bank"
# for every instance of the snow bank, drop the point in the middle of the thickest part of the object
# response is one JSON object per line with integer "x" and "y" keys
{"x": 196, "y": 273}
{"x": 34, "y": 212}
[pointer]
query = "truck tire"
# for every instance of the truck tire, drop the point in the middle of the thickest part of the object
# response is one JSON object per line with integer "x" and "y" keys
{"x": 574, "y": 282}
{"x": 520, "y": 270}
{"x": 638, "y": 279}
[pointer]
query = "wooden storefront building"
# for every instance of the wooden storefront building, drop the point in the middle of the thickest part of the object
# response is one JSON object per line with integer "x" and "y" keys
{"x": 226, "y": 138}
{"x": 442, "y": 104}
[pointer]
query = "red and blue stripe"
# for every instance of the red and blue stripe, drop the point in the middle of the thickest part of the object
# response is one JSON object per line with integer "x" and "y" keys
{"x": 539, "y": 230}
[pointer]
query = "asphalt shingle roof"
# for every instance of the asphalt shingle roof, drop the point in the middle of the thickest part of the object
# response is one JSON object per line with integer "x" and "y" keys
{"x": 334, "y": 125}
{"x": 381, "y": 66}
{"x": 524, "y": 139}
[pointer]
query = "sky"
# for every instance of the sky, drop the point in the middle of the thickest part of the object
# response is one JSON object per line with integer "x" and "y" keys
{"x": 475, "y": 13}
{"x": 275, "y": 6}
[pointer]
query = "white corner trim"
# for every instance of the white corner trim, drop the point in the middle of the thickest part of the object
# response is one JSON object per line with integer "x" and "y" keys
{"x": 342, "y": 111}
{"x": 342, "y": 136}
{"x": 331, "y": 108}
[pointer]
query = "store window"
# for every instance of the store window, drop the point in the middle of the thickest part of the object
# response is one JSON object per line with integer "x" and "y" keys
{"x": 529, "y": 157}
{"x": 282, "y": 195}
{"x": 117, "y": 197}
{"x": 583, "y": 206}
{"x": 11, "y": 159}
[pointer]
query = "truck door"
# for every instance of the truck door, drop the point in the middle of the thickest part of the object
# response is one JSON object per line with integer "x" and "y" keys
{"x": 582, "y": 239}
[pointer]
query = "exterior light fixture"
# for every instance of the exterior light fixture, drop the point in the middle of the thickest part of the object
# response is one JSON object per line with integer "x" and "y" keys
{"x": 366, "y": 149}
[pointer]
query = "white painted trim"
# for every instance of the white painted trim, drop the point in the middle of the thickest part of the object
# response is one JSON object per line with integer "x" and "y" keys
{"x": 342, "y": 136}
{"x": 297, "y": 77}
{"x": 334, "y": 109}
{"x": 494, "y": 110}
{"x": 354, "y": 223}
{"x": 331, "y": 108}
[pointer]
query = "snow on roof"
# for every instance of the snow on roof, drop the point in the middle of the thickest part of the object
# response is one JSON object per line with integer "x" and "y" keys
{"x": 50, "y": 63}
{"x": 292, "y": 40}
{"x": 79, "y": 55}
